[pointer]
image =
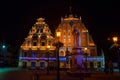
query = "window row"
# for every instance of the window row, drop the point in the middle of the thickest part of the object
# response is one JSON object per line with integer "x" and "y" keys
{"x": 34, "y": 54}
{"x": 43, "y": 43}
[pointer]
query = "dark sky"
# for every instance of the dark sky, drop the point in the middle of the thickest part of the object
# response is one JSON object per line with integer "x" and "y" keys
{"x": 17, "y": 17}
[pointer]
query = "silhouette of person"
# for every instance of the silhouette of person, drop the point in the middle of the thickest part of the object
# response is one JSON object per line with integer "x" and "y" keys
{"x": 110, "y": 65}
{"x": 106, "y": 67}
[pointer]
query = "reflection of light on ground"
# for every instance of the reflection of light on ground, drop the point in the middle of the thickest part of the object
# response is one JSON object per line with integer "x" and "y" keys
{"x": 5, "y": 71}
{"x": 2, "y": 70}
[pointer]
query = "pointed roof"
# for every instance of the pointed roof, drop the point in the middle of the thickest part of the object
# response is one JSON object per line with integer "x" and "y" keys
{"x": 40, "y": 28}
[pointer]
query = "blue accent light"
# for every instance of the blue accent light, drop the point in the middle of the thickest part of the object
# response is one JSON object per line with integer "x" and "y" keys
{"x": 93, "y": 59}
{"x": 69, "y": 56}
{"x": 34, "y": 58}
{"x": 119, "y": 48}
{"x": 3, "y": 46}
{"x": 62, "y": 59}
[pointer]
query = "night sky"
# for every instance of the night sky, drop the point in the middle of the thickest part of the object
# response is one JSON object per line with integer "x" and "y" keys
{"x": 102, "y": 18}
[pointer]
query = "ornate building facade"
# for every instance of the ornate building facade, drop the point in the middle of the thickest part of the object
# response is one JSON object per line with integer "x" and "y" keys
{"x": 75, "y": 36}
{"x": 37, "y": 51}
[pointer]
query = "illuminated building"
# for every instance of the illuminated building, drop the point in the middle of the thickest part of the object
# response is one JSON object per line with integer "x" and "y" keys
{"x": 75, "y": 34}
{"x": 34, "y": 51}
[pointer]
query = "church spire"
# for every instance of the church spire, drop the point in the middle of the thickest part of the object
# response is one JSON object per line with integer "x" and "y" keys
{"x": 70, "y": 9}
{"x": 70, "y": 12}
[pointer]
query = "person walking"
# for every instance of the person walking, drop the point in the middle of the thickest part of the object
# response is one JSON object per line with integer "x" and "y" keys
{"x": 106, "y": 67}
{"x": 119, "y": 66}
{"x": 110, "y": 64}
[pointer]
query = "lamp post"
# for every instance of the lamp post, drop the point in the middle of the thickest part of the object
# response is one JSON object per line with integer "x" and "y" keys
{"x": 58, "y": 34}
{"x": 48, "y": 47}
{"x": 86, "y": 54}
{"x": 115, "y": 39}
{"x": 116, "y": 45}
{"x": 3, "y": 53}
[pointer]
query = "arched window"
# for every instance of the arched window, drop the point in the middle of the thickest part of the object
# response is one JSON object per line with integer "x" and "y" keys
{"x": 42, "y": 64}
{"x": 62, "y": 53}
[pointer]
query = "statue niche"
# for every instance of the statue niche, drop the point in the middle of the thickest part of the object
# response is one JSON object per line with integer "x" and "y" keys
{"x": 76, "y": 38}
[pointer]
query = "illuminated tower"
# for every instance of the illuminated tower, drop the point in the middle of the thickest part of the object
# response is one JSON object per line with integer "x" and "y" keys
{"x": 34, "y": 50}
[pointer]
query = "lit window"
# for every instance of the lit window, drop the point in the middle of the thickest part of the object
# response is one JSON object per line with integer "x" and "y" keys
{"x": 68, "y": 30}
{"x": 69, "y": 45}
{"x": 69, "y": 40}
{"x": 33, "y": 54}
{"x": 68, "y": 33}
{"x": 64, "y": 36}
{"x": 68, "y": 36}
{"x": 64, "y": 40}
{"x": 62, "y": 53}
{"x": 64, "y": 32}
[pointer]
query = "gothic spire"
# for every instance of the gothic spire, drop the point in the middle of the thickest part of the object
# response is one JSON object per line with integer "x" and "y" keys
{"x": 70, "y": 9}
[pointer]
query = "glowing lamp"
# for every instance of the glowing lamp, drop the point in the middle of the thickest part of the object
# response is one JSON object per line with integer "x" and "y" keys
{"x": 48, "y": 47}
{"x": 115, "y": 39}
{"x": 85, "y": 49}
{"x": 3, "y": 46}
{"x": 58, "y": 33}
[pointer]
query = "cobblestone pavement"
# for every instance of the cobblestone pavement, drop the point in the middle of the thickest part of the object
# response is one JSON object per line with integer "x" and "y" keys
{"x": 41, "y": 75}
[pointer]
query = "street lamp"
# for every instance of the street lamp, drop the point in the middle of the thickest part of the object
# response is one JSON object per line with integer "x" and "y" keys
{"x": 48, "y": 47}
{"x": 58, "y": 34}
{"x": 115, "y": 39}
{"x": 3, "y": 46}
{"x": 86, "y": 54}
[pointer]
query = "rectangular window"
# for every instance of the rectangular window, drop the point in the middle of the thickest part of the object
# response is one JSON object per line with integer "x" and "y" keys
{"x": 34, "y": 43}
{"x": 25, "y": 54}
{"x": 41, "y": 30}
{"x": 69, "y": 40}
{"x": 43, "y": 43}
{"x": 64, "y": 40}
{"x": 42, "y": 64}
{"x": 33, "y": 64}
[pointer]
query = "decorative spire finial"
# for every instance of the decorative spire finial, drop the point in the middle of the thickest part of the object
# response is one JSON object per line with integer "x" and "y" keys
{"x": 80, "y": 18}
{"x": 70, "y": 9}
{"x": 61, "y": 18}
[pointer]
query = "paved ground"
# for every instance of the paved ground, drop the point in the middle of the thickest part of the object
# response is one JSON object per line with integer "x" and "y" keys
{"x": 17, "y": 74}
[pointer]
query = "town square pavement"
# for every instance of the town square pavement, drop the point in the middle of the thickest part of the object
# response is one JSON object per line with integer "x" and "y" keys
{"x": 20, "y": 74}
